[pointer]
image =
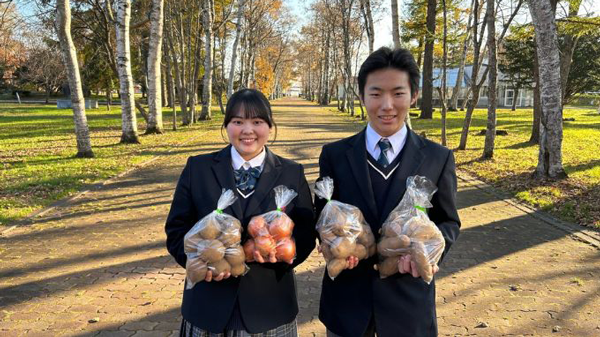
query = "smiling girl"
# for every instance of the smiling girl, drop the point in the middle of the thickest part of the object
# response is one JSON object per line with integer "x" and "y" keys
{"x": 262, "y": 302}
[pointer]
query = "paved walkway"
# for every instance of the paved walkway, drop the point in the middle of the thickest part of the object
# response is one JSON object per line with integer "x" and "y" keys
{"x": 98, "y": 266}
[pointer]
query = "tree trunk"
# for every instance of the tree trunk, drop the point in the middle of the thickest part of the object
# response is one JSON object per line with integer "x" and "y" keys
{"x": 155, "y": 122}
{"x": 461, "y": 67}
{"x": 207, "y": 25}
{"x": 570, "y": 42}
{"x": 537, "y": 106}
{"x": 427, "y": 94}
{"x": 490, "y": 133}
{"x": 442, "y": 90}
{"x": 129, "y": 121}
{"x": 63, "y": 30}
{"x": 515, "y": 97}
{"x": 550, "y": 153}
{"x": 365, "y": 8}
{"x": 171, "y": 86}
{"x": 395, "y": 24}
{"x": 474, "y": 75}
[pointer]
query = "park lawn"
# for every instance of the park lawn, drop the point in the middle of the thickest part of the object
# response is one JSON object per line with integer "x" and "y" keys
{"x": 573, "y": 199}
{"x": 37, "y": 148}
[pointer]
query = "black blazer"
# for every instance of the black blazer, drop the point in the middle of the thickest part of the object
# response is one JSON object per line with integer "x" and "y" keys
{"x": 401, "y": 304}
{"x": 267, "y": 293}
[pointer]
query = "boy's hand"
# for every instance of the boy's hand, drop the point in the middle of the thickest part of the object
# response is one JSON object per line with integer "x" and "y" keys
{"x": 222, "y": 276}
{"x": 352, "y": 261}
{"x": 407, "y": 266}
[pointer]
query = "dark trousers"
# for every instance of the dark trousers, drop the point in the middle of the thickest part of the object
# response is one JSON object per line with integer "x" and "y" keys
{"x": 370, "y": 332}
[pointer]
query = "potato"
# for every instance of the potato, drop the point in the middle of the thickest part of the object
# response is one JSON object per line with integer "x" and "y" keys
{"x": 219, "y": 267}
{"x": 393, "y": 246}
{"x": 392, "y": 229}
{"x": 327, "y": 236}
{"x": 210, "y": 230}
{"x": 342, "y": 247}
{"x": 335, "y": 267}
{"x": 235, "y": 255}
{"x": 372, "y": 250}
{"x": 238, "y": 269}
{"x": 195, "y": 270}
{"x": 231, "y": 237}
{"x": 419, "y": 255}
{"x": 191, "y": 243}
{"x": 326, "y": 251}
{"x": 211, "y": 250}
{"x": 388, "y": 267}
{"x": 360, "y": 252}
{"x": 366, "y": 237}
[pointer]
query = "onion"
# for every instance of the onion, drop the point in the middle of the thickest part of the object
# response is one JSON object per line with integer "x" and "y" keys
{"x": 257, "y": 226}
{"x": 249, "y": 250}
{"x": 286, "y": 250}
{"x": 265, "y": 245}
{"x": 281, "y": 227}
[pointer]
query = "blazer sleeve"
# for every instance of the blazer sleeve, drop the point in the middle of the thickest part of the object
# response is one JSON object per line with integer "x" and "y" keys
{"x": 444, "y": 213}
{"x": 303, "y": 216}
{"x": 182, "y": 215}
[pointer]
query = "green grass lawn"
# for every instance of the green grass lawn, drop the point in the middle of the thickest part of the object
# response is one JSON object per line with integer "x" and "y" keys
{"x": 37, "y": 148}
{"x": 574, "y": 199}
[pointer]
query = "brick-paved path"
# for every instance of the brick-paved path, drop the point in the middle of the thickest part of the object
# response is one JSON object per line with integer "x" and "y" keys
{"x": 98, "y": 266}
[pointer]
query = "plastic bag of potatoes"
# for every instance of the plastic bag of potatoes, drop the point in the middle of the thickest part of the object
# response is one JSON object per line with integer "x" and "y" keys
{"x": 213, "y": 244}
{"x": 408, "y": 230}
{"x": 343, "y": 231}
{"x": 271, "y": 232}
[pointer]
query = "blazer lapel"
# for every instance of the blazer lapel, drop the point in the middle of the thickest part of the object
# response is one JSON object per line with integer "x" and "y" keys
{"x": 224, "y": 172}
{"x": 411, "y": 160}
{"x": 266, "y": 182}
{"x": 357, "y": 156}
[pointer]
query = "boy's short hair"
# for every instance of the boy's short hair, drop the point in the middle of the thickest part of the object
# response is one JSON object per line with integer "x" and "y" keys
{"x": 384, "y": 57}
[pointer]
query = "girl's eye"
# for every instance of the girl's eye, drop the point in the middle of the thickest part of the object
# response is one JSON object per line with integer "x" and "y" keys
{"x": 258, "y": 122}
{"x": 237, "y": 122}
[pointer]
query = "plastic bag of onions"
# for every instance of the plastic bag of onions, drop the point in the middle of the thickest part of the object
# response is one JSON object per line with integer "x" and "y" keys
{"x": 213, "y": 244}
{"x": 271, "y": 233}
{"x": 408, "y": 230}
{"x": 343, "y": 231}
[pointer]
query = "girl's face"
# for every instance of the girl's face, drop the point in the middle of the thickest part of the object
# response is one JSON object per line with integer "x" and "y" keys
{"x": 248, "y": 135}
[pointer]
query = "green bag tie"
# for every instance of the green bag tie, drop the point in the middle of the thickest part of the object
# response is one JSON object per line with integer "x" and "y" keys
{"x": 421, "y": 208}
{"x": 219, "y": 211}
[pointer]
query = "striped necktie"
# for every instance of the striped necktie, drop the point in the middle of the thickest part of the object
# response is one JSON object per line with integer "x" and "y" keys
{"x": 384, "y": 144}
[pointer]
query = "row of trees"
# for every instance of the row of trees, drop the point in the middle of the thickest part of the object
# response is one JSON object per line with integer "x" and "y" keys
{"x": 457, "y": 33}
{"x": 184, "y": 53}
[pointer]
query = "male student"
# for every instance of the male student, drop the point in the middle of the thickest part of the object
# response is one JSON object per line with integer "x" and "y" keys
{"x": 369, "y": 170}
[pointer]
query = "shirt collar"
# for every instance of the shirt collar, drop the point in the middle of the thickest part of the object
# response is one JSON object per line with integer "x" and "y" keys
{"x": 237, "y": 161}
{"x": 397, "y": 140}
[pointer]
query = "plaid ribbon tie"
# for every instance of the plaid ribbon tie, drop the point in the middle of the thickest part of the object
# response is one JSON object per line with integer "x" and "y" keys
{"x": 245, "y": 180}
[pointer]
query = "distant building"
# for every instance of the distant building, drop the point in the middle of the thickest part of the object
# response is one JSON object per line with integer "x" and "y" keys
{"x": 295, "y": 89}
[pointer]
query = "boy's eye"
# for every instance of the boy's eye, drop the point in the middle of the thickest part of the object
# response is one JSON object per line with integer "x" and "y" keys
{"x": 374, "y": 94}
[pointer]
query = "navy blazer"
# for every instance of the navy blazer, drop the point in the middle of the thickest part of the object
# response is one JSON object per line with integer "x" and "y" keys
{"x": 401, "y": 304}
{"x": 267, "y": 293}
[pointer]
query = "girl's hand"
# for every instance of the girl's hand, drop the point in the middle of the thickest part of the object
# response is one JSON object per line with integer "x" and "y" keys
{"x": 258, "y": 258}
{"x": 222, "y": 276}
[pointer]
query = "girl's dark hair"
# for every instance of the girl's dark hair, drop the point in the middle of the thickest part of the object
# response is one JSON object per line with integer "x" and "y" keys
{"x": 384, "y": 57}
{"x": 255, "y": 105}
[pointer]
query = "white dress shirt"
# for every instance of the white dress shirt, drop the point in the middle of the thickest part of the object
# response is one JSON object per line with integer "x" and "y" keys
{"x": 237, "y": 161}
{"x": 397, "y": 140}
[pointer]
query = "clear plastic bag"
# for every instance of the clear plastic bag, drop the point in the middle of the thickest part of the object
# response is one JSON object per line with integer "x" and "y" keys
{"x": 271, "y": 232}
{"x": 343, "y": 231}
{"x": 213, "y": 244}
{"x": 408, "y": 230}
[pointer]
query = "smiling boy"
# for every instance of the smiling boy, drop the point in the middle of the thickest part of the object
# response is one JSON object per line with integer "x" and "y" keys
{"x": 369, "y": 170}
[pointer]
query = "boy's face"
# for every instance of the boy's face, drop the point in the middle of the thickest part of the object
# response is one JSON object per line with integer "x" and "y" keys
{"x": 387, "y": 100}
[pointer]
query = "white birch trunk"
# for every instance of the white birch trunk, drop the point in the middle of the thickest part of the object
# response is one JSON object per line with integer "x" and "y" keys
{"x": 550, "y": 153}
{"x": 490, "y": 134}
{"x": 207, "y": 25}
{"x": 63, "y": 30}
{"x": 395, "y": 23}
{"x": 155, "y": 122}
{"x": 129, "y": 121}
{"x": 236, "y": 42}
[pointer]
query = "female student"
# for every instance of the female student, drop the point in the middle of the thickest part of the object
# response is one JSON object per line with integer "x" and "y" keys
{"x": 263, "y": 301}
